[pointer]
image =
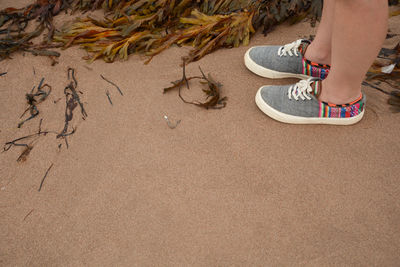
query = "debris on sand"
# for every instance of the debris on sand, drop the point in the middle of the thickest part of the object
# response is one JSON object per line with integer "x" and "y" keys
{"x": 33, "y": 99}
{"x": 213, "y": 97}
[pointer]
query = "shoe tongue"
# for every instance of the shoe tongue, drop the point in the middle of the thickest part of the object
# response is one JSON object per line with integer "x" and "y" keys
{"x": 317, "y": 87}
{"x": 303, "y": 47}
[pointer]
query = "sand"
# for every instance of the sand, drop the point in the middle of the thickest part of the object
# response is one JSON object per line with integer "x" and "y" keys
{"x": 226, "y": 187}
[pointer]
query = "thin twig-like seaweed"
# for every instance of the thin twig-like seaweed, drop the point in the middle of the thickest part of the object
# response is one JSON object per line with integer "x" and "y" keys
{"x": 380, "y": 73}
{"x": 29, "y": 213}
{"x": 375, "y": 87}
{"x": 394, "y": 101}
{"x": 109, "y": 97}
{"x": 44, "y": 177}
{"x": 214, "y": 99}
{"x": 72, "y": 100}
{"x": 3, "y": 73}
{"x": 110, "y": 82}
{"x": 28, "y": 146}
{"x": 13, "y": 23}
{"x": 34, "y": 99}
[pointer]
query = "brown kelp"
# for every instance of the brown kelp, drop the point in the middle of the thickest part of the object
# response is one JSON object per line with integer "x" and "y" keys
{"x": 149, "y": 27}
{"x": 213, "y": 92}
{"x": 386, "y": 70}
{"x": 13, "y": 23}
{"x": 22, "y": 141}
{"x": 72, "y": 100}
{"x": 44, "y": 177}
{"x": 33, "y": 99}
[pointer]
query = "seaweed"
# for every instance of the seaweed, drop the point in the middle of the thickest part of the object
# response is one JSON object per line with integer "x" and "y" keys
{"x": 44, "y": 177}
{"x": 13, "y": 23}
{"x": 110, "y": 82}
{"x": 386, "y": 70}
{"x": 109, "y": 97}
{"x": 27, "y": 146}
{"x": 72, "y": 100}
{"x": 3, "y": 73}
{"x": 33, "y": 99}
{"x": 213, "y": 97}
{"x": 394, "y": 101}
{"x": 27, "y": 215}
{"x": 150, "y": 27}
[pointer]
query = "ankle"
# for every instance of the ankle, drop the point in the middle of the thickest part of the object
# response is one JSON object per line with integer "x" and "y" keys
{"x": 338, "y": 94}
{"x": 318, "y": 54}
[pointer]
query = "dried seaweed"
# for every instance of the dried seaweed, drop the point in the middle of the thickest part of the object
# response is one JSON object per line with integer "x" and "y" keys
{"x": 109, "y": 97}
{"x": 35, "y": 98}
{"x": 386, "y": 70}
{"x": 27, "y": 146}
{"x": 27, "y": 215}
{"x": 13, "y": 23}
{"x": 44, "y": 177}
{"x": 213, "y": 98}
{"x": 3, "y": 73}
{"x": 394, "y": 101}
{"x": 379, "y": 70}
{"x": 150, "y": 27}
{"x": 110, "y": 82}
{"x": 72, "y": 100}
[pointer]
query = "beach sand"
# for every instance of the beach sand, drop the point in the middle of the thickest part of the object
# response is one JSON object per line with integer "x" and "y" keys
{"x": 226, "y": 187}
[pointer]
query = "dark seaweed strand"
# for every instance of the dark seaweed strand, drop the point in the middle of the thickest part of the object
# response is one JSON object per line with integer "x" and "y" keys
{"x": 9, "y": 144}
{"x": 44, "y": 177}
{"x": 109, "y": 97}
{"x": 72, "y": 88}
{"x": 375, "y": 87}
{"x": 3, "y": 73}
{"x": 71, "y": 100}
{"x": 213, "y": 90}
{"x": 68, "y": 111}
{"x": 110, "y": 82}
{"x": 32, "y": 102}
{"x": 29, "y": 213}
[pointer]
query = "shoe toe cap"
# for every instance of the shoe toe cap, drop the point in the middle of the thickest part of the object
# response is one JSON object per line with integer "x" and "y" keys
{"x": 263, "y": 55}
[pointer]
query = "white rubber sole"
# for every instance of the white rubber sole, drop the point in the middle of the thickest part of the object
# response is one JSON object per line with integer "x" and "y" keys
{"x": 267, "y": 73}
{"x": 282, "y": 117}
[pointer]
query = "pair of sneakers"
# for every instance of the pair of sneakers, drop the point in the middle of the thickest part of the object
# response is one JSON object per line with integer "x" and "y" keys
{"x": 297, "y": 103}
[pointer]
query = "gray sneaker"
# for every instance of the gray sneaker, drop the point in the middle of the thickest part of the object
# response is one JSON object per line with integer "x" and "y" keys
{"x": 298, "y": 104}
{"x": 286, "y": 61}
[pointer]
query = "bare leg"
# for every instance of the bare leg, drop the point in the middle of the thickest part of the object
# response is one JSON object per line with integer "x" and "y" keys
{"x": 320, "y": 49}
{"x": 359, "y": 29}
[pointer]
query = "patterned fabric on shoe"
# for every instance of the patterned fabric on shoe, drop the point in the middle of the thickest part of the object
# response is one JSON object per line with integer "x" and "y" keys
{"x": 327, "y": 110}
{"x": 314, "y": 69}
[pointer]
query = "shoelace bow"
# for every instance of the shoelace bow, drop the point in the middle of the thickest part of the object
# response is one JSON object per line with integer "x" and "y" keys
{"x": 301, "y": 89}
{"x": 291, "y": 49}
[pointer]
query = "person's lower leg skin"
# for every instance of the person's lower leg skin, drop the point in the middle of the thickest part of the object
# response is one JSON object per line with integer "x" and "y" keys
{"x": 320, "y": 49}
{"x": 359, "y": 30}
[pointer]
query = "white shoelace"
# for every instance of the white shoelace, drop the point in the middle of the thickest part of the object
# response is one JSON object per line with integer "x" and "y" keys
{"x": 301, "y": 89}
{"x": 291, "y": 49}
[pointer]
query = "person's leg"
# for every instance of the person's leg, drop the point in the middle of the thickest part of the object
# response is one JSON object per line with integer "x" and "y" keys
{"x": 320, "y": 49}
{"x": 359, "y": 29}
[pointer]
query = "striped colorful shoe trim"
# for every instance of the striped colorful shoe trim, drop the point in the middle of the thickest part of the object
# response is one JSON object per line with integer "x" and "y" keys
{"x": 310, "y": 68}
{"x": 315, "y": 69}
{"x": 328, "y": 110}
